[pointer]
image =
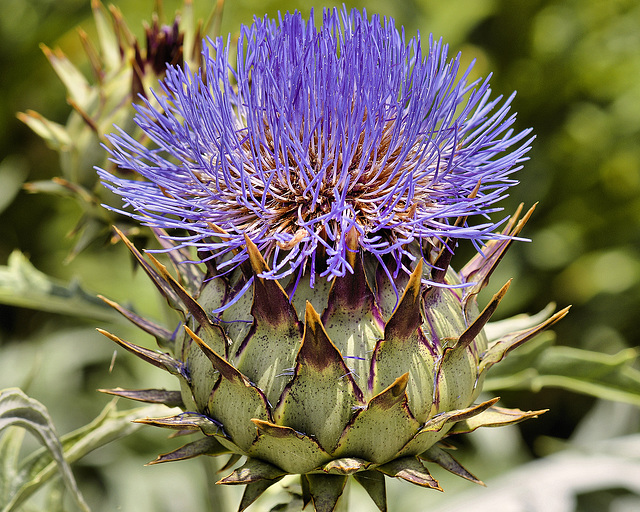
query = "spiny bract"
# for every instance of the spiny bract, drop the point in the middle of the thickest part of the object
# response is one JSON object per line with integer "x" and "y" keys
{"x": 323, "y": 182}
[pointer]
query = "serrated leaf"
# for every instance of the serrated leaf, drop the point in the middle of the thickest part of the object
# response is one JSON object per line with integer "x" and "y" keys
{"x": 18, "y": 409}
{"x": 22, "y": 285}
{"x": 606, "y": 376}
{"x": 109, "y": 426}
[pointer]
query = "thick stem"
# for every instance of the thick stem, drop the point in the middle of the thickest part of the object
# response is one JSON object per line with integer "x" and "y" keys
{"x": 343, "y": 502}
{"x": 218, "y": 494}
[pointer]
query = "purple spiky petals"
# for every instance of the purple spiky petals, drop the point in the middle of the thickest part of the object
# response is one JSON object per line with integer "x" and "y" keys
{"x": 314, "y": 132}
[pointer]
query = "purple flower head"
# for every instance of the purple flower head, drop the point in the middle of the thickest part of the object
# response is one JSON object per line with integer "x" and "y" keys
{"x": 314, "y": 132}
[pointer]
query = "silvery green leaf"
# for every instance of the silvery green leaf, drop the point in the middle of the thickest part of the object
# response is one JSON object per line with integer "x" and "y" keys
{"x": 22, "y": 285}
{"x": 541, "y": 364}
{"x": 17, "y": 409}
{"x": 496, "y": 330}
{"x": 10, "y": 444}
{"x": 38, "y": 468}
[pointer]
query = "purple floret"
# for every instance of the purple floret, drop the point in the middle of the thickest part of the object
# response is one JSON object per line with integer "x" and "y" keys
{"x": 313, "y": 132}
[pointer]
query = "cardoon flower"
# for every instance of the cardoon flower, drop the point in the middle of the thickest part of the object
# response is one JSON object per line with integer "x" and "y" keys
{"x": 323, "y": 180}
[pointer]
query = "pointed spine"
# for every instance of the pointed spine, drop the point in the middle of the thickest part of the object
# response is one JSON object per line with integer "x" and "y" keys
{"x": 227, "y": 370}
{"x": 325, "y": 491}
{"x": 189, "y": 302}
{"x": 478, "y": 324}
{"x": 411, "y": 470}
{"x": 319, "y": 400}
{"x": 407, "y": 316}
{"x": 351, "y": 291}
{"x": 373, "y": 482}
{"x": 164, "y": 336}
{"x": 496, "y": 352}
{"x": 445, "y": 460}
{"x": 187, "y": 421}
{"x": 180, "y": 258}
{"x": 204, "y": 446}
{"x": 162, "y": 361}
{"x": 151, "y": 396}
{"x": 270, "y": 301}
{"x": 494, "y": 417}
{"x": 318, "y": 350}
{"x": 163, "y": 287}
{"x": 480, "y": 268}
{"x": 441, "y": 265}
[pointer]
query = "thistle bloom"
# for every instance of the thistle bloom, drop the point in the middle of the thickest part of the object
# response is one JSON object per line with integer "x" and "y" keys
{"x": 314, "y": 132}
{"x": 342, "y": 153}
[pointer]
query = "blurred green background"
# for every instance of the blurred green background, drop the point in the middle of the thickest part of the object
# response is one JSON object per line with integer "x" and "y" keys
{"x": 576, "y": 67}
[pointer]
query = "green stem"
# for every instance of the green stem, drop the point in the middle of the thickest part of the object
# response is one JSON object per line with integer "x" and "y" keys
{"x": 343, "y": 501}
{"x": 218, "y": 494}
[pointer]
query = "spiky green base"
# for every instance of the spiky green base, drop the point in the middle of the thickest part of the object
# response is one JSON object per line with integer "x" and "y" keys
{"x": 367, "y": 388}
